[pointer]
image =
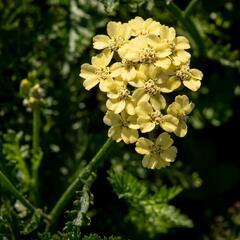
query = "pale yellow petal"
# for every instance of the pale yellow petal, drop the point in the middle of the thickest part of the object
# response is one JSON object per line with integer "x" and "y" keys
{"x": 129, "y": 73}
{"x": 113, "y": 29}
{"x": 87, "y": 71}
{"x": 164, "y": 140}
{"x": 170, "y": 85}
{"x": 153, "y": 27}
{"x": 139, "y": 95}
{"x": 103, "y": 59}
{"x": 145, "y": 124}
{"x": 90, "y": 83}
{"x": 139, "y": 80}
{"x": 169, "y": 123}
{"x": 182, "y": 128}
{"x": 143, "y": 146}
{"x": 163, "y": 50}
{"x": 132, "y": 122}
{"x": 116, "y": 105}
{"x": 169, "y": 154}
{"x": 192, "y": 84}
{"x": 129, "y": 135}
{"x": 125, "y": 31}
{"x": 174, "y": 109}
{"x": 158, "y": 102}
{"x": 115, "y": 133}
{"x": 130, "y": 107}
{"x": 163, "y": 63}
{"x": 112, "y": 119}
{"x": 106, "y": 85}
{"x": 167, "y": 33}
{"x": 144, "y": 108}
{"x": 182, "y": 56}
{"x": 116, "y": 69}
{"x": 181, "y": 43}
{"x": 100, "y": 42}
{"x": 182, "y": 100}
{"x": 161, "y": 163}
{"x": 149, "y": 162}
{"x": 197, "y": 74}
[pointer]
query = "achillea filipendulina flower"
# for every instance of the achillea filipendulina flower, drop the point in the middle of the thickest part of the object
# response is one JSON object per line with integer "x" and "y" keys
{"x": 176, "y": 44}
{"x": 98, "y": 71}
{"x": 123, "y": 127}
{"x": 118, "y": 34}
{"x": 191, "y": 78}
{"x": 140, "y": 26}
{"x": 148, "y": 119}
{"x": 147, "y": 49}
{"x": 119, "y": 96}
{"x": 158, "y": 153}
{"x": 141, "y": 63}
{"x": 180, "y": 108}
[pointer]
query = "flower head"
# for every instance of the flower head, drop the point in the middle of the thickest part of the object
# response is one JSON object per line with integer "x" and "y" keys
{"x": 118, "y": 34}
{"x": 123, "y": 127}
{"x": 158, "y": 153}
{"x": 141, "y": 63}
{"x": 180, "y": 108}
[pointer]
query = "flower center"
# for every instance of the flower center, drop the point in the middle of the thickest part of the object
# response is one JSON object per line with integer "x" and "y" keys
{"x": 156, "y": 149}
{"x": 148, "y": 55}
{"x": 102, "y": 73}
{"x": 115, "y": 43}
{"x": 124, "y": 93}
{"x": 155, "y": 116}
{"x": 183, "y": 73}
{"x": 151, "y": 87}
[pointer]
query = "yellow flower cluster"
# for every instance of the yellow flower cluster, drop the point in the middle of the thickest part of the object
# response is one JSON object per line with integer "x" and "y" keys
{"x": 140, "y": 63}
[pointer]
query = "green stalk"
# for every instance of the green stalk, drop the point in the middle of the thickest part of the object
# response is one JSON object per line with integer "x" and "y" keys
{"x": 10, "y": 187}
{"x": 78, "y": 182}
{"x": 36, "y": 151}
{"x": 36, "y": 129}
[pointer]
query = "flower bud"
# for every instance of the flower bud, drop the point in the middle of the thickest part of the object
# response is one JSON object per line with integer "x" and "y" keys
{"x": 36, "y": 91}
{"x": 25, "y": 87}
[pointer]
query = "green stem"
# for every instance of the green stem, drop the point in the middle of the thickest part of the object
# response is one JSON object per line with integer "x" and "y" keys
{"x": 36, "y": 159}
{"x": 36, "y": 129}
{"x": 15, "y": 192}
{"x": 189, "y": 25}
{"x": 12, "y": 189}
{"x": 190, "y": 7}
{"x": 78, "y": 182}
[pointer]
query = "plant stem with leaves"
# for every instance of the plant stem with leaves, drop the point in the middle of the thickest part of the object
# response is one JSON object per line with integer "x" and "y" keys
{"x": 78, "y": 182}
{"x": 11, "y": 188}
{"x": 36, "y": 153}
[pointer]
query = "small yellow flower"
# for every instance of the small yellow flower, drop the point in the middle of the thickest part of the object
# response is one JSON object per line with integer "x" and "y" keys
{"x": 144, "y": 27}
{"x": 148, "y": 119}
{"x": 119, "y": 97}
{"x": 125, "y": 69}
{"x": 150, "y": 82}
{"x": 123, "y": 127}
{"x": 157, "y": 154}
{"x": 146, "y": 49}
{"x": 118, "y": 34}
{"x": 177, "y": 45}
{"x": 191, "y": 78}
{"x": 180, "y": 108}
{"x": 98, "y": 71}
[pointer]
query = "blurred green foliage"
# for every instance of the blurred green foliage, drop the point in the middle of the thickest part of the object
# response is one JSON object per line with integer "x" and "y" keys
{"x": 52, "y": 39}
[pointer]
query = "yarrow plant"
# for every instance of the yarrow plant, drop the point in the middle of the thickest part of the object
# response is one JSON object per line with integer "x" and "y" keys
{"x": 141, "y": 64}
